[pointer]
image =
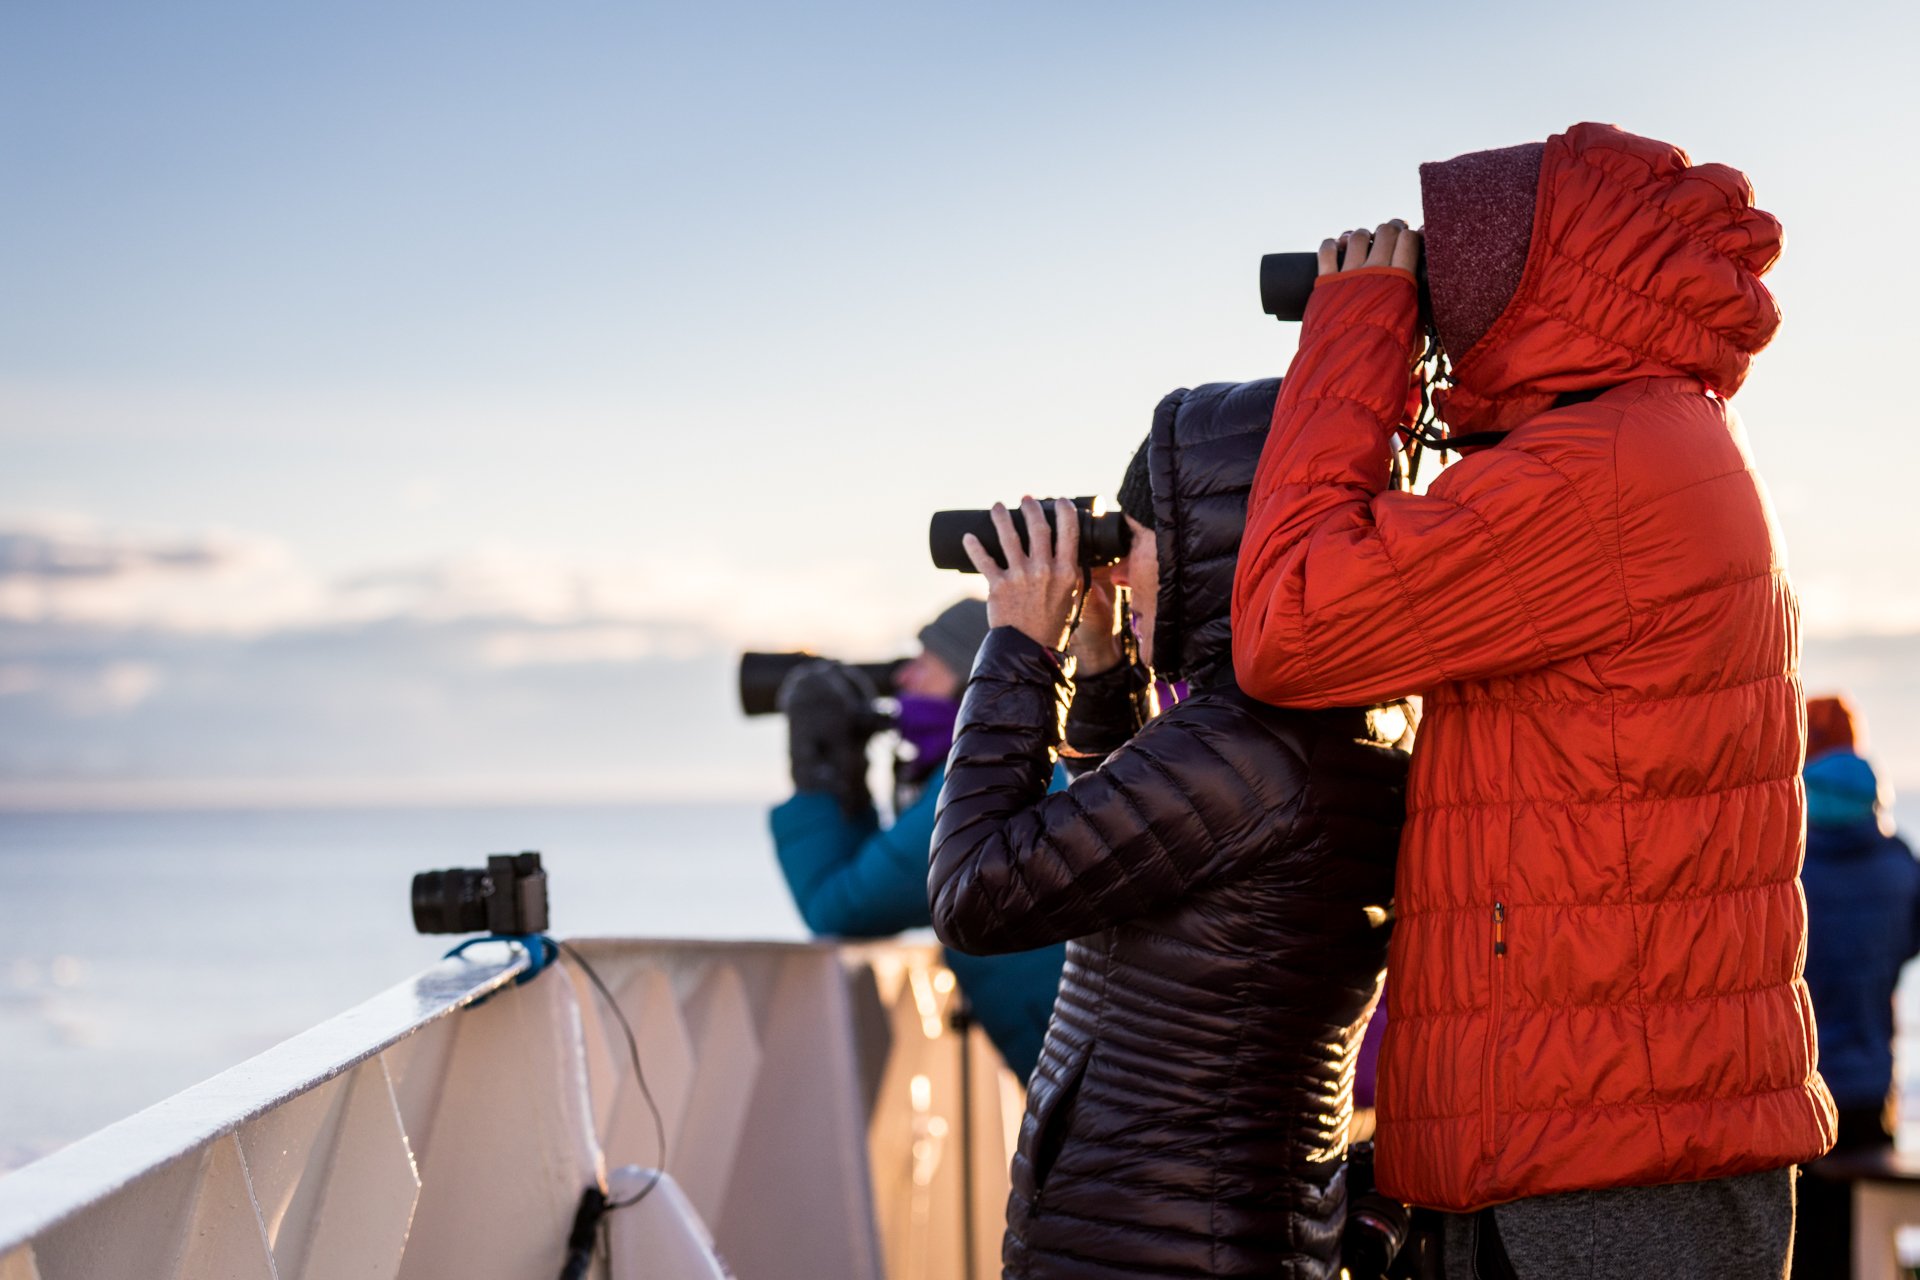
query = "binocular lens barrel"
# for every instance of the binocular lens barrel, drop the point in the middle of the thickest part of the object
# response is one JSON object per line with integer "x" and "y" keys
{"x": 1286, "y": 282}
{"x": 1103, "y": 538}
{"x": 762, "y": 673}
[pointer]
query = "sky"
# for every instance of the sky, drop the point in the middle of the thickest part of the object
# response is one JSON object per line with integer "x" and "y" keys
{"x": 412, "y": 402}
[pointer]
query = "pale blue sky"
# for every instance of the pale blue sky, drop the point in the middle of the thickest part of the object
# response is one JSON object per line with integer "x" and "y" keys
{"x": 660, "y": 330}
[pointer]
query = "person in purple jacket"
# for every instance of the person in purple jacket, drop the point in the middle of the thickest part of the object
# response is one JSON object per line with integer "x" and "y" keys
{"x": 853, "y": 876}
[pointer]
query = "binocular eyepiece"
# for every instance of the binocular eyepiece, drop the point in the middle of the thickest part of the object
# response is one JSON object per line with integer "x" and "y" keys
{"x": 1286, "y": 282}
{"x": 1104, "y": 536}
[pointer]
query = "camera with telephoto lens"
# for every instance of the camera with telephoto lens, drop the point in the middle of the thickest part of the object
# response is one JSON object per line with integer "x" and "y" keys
{"x": 1286, "y": 282}
{"x": 1104, "y": 536}
{"x": 761, "y": 675}
{"x": 510, "y": 896}
{"x": 1377, "y": 1224}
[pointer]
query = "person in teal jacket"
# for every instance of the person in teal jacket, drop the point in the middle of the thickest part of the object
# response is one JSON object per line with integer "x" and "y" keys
{"x": 852, "y": 877}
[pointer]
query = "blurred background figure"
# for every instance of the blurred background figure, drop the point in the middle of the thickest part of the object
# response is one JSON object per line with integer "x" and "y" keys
{"x": 1863, "y": 925}
{"x": 853, "y": 877}
{"x": 1831, "y": 726}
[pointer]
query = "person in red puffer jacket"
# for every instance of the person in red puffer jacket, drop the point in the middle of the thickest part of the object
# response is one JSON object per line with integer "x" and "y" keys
{"x": 1599, "y": 1022}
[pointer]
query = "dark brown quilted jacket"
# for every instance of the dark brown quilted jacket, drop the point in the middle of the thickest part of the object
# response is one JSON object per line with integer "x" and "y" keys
{"x": 1225, "y": 875}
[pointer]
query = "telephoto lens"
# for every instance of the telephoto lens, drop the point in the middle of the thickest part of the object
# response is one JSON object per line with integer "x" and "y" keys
{"x": 762, "y": 673}
{"x": 1104, "y": 536}
{"x": 452, "y": 901}
{"x": 1286, "y": 283}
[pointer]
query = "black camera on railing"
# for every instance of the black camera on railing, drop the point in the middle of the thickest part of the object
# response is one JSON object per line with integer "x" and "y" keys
{"x": 1286, "y": 282}
{"x": 1104, "y": 536}
{"x": 761, "y": 675}
{"x": 510, "y": 896}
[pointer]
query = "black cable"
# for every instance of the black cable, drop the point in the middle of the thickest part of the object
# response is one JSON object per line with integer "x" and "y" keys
{"x": 586, "y": 1229}
{"x": 639, "y": 1074}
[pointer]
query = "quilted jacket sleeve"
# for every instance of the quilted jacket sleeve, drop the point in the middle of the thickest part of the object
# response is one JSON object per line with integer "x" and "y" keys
{"x": 1350, "y": 593}
{"x": 1100, "y": 720}
{"x": 1181, "y": 804}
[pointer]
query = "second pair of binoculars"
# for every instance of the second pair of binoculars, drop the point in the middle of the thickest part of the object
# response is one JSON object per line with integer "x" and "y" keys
{"x": 1104, "y": 536}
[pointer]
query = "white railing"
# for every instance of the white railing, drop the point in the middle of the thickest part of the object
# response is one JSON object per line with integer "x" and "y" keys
{"x": 811, "y": 1096}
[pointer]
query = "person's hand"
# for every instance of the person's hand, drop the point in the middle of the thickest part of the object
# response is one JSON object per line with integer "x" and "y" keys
{"x": 830, "y": 716}
{"x": 1096, "y": 640}
{"x": 1034, "y": 593}
{"x": 1388, "y": 245}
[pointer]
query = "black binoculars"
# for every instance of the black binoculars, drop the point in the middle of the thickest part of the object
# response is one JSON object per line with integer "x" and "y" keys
{"x": 1286, "y": 282}
{"x": 1104, "y": 536}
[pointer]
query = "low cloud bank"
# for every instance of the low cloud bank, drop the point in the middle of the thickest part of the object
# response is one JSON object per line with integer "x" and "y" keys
{"x": 216, "y": 669}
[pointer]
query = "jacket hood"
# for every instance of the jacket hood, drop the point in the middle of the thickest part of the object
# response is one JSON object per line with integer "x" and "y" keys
{"x": 1202, "y": 453}
{"x": 1640, "y": 264}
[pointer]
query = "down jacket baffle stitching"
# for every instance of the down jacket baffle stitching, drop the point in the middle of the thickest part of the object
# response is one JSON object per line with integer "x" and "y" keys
{"x": 1599, "y": 924}
{"x": 1225, "y": 879}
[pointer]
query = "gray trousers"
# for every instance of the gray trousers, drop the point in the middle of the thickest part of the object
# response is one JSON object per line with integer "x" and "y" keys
{"x": 1737, "y": 1228}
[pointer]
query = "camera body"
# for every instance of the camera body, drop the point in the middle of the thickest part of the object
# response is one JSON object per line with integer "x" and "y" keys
{"x": 761, "y": 675}
{"x": 510, "y": 896}
{"x": 1104, "y": 535}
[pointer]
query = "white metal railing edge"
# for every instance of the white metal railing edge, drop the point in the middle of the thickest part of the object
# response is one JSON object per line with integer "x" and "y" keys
{"x": 41, "y": 1195}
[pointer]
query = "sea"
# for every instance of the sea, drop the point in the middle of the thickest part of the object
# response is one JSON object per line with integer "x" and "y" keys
{"x": 141, "y": 953}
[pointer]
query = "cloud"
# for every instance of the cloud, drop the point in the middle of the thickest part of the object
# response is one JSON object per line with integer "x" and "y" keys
{"x": 69, "y": 572}
{"x": 387, "y": 709}
{"x": 41, "y": 555}
{"x": 215, "y": 665}
{"x": 83, "y": 689}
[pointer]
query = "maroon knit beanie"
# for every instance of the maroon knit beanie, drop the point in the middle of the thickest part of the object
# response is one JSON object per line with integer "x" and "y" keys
{"x": 1479, "y": 220}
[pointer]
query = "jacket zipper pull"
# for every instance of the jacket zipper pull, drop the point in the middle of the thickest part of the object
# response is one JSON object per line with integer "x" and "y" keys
{"x": 1499, "y": 928}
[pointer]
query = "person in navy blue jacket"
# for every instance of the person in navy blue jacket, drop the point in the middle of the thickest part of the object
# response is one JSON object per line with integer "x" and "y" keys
{"x": 853, "y": 877}
{"x": 1863, "y": 924}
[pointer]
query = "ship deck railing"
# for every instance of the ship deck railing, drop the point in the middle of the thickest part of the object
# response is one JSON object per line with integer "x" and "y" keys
{"x": 826, "y": 1117}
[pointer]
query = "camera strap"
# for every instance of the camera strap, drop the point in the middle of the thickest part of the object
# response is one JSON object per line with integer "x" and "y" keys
{"x": 541, "y": 951}
{"x": 1454, "y": 444}
{"x": 1080, "y": 601}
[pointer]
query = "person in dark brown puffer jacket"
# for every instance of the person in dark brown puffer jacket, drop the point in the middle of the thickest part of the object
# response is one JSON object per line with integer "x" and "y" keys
{"x": 1225, "y": 874}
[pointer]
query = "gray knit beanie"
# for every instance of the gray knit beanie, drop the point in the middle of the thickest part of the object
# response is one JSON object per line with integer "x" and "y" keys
{"x": 955, "y": 636}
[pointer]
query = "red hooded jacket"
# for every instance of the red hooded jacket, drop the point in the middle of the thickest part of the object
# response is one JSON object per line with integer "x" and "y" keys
{"x": 1596, "y": 966}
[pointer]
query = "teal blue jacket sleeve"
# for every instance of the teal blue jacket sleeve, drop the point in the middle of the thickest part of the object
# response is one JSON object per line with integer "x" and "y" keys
{"x": 850, "y": 878}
